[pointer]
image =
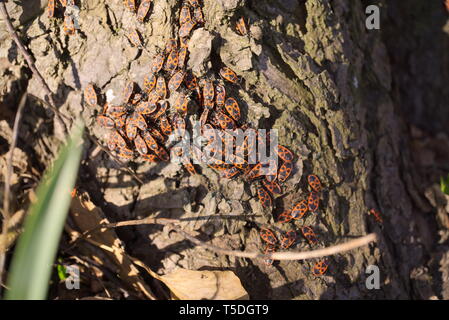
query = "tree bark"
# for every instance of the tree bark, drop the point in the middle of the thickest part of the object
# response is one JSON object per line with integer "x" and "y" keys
{"x": 348, "y": 101}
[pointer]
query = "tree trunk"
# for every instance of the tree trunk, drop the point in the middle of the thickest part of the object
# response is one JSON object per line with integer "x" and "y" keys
{"x": 365, "y": 110}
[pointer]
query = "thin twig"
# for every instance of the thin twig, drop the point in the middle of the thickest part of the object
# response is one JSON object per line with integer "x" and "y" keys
{"x": 7, "y": 191}
{"x": 9, "y": 161}
{"x": 30, "y": 61}
{"x": 318, "y": 253}
{"x": 339, "y": 248}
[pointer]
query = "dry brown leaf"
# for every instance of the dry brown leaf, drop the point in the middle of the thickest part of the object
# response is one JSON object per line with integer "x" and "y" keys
{"x": 86, "y": 216}
{"x": 211, "y": 285}
{"x": 95, "y": 298}
{"x": 184, "y": 284}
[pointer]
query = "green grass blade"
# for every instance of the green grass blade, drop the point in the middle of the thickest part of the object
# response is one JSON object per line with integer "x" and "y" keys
{"x": 35, "y": 252}
{"x": 444, "y": 183}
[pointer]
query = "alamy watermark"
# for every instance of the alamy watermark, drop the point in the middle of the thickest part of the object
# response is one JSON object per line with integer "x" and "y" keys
{"x": 373, "y": 280}
{"x": 216, "y": 147}
{"x": 72, "y": 282}
{"x": 372, "y": 21}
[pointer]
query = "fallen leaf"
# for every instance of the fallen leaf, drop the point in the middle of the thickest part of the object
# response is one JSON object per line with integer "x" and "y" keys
{"x": 210, "y": 285}
{"x": 86, "y": 216}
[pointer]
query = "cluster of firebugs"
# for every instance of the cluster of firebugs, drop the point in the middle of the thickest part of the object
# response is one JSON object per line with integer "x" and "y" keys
{"x": 141, "y": 125}
{"x": 54, "y": 5}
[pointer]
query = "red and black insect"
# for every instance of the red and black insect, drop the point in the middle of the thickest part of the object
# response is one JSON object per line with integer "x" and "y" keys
{"x": 114, "y": 111}
{"x": 285, "y": 171}
{"x": 232, "y": 107}
{"x": 273, "y": 187}
{"x": 194, "y": 3}
{"x": 131, "y": 129}
{"x": 162, "y": 109}
{"x": 190, "y": 81}
{"x": 142, "y": 12}
{"x": 186, "y": 28}
{"x": 172, "y": 44}
{"x": 184, "y": 15}
{"x": 166, "y": 126}
{"x": 69, "y": 25}
{"x": 116, "y": 140}
{"x": 182, "y": 57}
{"x": 150, "y": 158}
{"x": 208, "y": 91}
{"x": 241, "y": 27}
{"x": 198, "y": 14}
{"x": 140, "y": 144}
{"x": 229, "y": 173}
{"x": 209, "y": 133}
{"x": 153, "y": 97}
{"x": 181, "y": 103}
{"x": 208, "y": 105}
{"x": 130, "y": 4}
{"x": 313, "y": 201}
{"x": 271, "y": 178}
{"x": 172, "y": 61}
{"x": 288, "y": 239}
{"x": 120, "y": 121}
{"x": 285, "y": 216}
{"x": 216, "y": 163}
{"x": 51, "y": 8}
{"x": 128, "y": 91}
{"x": 376, "y": 214}
{"x": 309, "y": 234}
{"x": 225, "y": 122}
{"x": 179, "y": 124}
{"x": 134, "y": 38}
{"x": 204, "y": 117}
{"x": 220, "y": 95}
{"x": 149, "y": 82}
{"x": 314, "y": 182}
{"x": 125, "y": 153}
{"x": 162, "y": 154}
{"x": 145, "y": 107}
{"x": 176, "y": 80}
{"x": 136, "y": 99}
{"x": 150, "y": 141}
{"x": 179, "y": 152}
{"x": 264, "y": 197}
{"x": 299, "y": 210}
{"x": 139, "y": 120}
{"x": 158, "y": 62}
{"x": 134, "y": 121}
{"x": 184, "y": 42}
{"x": 189, "y": 167}
{"x": 268, "y": 236}
{"x": 229, "y": 75}
{"x": 255, "y": 172}
{"x": 284, "y": 153}
{"x": 320, "y": 268}
{"x": 106, "y": 122}
{"x": 156, "y": 134}
{"x": 161, "y": 87}
{"x": 240, "y": 162}
{"x": 90, "y": 96}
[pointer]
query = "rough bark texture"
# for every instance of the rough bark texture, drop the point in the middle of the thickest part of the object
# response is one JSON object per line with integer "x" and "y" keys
{"x": 364, "y": 110}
